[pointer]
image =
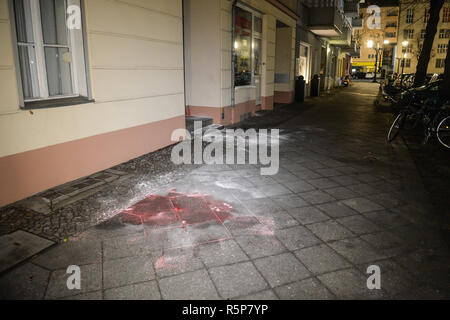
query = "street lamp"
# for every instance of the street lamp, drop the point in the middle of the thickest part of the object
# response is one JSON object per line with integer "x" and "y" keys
{"x": 377, "y": 50}
{"x": 404, "y": 45}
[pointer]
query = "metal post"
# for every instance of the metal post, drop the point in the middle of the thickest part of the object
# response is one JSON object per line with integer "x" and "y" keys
{"x": 403, "y": 69}
{"x": 376, "y": 65}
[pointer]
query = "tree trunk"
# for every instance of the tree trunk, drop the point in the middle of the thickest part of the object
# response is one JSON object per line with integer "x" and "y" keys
{"x": 445, "y": 89}
{"x": 422, "y": 64}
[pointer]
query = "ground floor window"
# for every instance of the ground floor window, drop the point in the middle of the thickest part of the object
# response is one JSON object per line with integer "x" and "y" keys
{"x": 50, "y": 49}
{"x": 247, "y": 46}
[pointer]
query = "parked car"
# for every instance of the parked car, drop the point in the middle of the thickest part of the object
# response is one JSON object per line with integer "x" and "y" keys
{"x": 359, "y": 75}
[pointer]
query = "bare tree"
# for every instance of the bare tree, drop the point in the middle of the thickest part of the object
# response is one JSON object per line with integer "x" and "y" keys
{"x": 424, "y": 59}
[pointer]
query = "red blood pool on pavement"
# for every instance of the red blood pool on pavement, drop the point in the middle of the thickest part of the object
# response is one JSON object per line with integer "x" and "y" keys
{"x": 176, "y": 207}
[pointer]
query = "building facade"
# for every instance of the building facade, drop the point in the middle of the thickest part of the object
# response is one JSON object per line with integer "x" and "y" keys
{"x": 380, "y": 27}
{"x": 89, "y": 84}
{"x": 239, "y": 57}
{"x": 413, "y": 19}
{"x": 78, "y": 100}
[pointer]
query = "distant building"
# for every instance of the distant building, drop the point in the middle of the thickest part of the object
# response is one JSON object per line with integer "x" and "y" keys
{"x": 381, "y": 29}
{"x": 414, "y": 15}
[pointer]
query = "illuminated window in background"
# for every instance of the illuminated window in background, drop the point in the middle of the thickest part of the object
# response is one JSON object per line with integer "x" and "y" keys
{"x": 446, "y": 15}
{"x": 242, "y": 47}
{"x": 410, "y": 16}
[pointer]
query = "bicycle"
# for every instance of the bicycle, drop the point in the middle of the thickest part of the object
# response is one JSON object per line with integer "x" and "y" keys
{"x": 435, "y": 120}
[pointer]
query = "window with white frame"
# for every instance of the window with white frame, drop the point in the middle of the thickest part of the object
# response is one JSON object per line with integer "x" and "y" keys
{"x": 408, "y": 34}
{"x": 50, "y": 55}
{"x": 446, "y": 14}
{"x": 246, "y": 46}
{"x": 407, "y": 63}
{"x": 440, "y": 63}
{"x": 423, "y": 33}
{"x": 444, "y": 33}
{"x": 442, "y": 48}
{"x": 410, "y": 16}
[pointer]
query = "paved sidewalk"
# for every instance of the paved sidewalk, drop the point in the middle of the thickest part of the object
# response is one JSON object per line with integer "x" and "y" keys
{"x": 342, "y": 200}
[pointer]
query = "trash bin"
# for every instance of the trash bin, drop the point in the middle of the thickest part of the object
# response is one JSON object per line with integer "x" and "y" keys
{"x": 300, "y": 89}
{"x": 315, "y": 86}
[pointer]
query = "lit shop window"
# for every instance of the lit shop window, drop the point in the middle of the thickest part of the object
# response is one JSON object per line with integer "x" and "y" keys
{"x": 50, "y": 55}
{"x": 242, "y": 47}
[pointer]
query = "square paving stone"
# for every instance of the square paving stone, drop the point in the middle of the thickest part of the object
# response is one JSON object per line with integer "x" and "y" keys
{"x": 263, "y": 295}
{"x": 290, "y": 201}
{"x": 383, "y": 240}
{"x": 308, "y": 289}
{"x": 126, "y": 246}
{"x": 330, "y": 231}
{"x": 307, "y": 174}
{"x": 297, "y": 238}
{"x": 259, "y": 206}
{"x": 243, "y": 225}
{"x": 336, "y": 209}
{"x": 19, "y": 246}
{"x": 237, "y": 280}
{"x": 316, "y": 197}
{"x": 313, "y": 165}
{"x": 358, "y": 224}
{"x": 366, "y": 177}
{"x": 323, "y": 183}
{"x": 26, "y": 282}
{"x": 194, "y": 285}
{"x": 341, "y": 193}
{"x": 261, "y": 180}
{"x": 285, "y": 177}
{"x": 176, "y": 261}
{"x": 257, "y": 246}
{"x": 299, "y": 186}
{"x": 221, "y": 253}
{"x": 387, "y": 219}
{"x": 363, "y": 189}
{"x": 207, "y": 232}
{"x": 328, "y": 172}
{"x": 307, "y": 215}
{"x": 125, "y": 271}
{"x": 345, "y": 180}
{"x": 248, "y": 194}
{"x": 281, "y": 269}
{"x": 140, "y": 291}
{"x": 357, "y": 251}
{"x": 349, "y": 284}
{"x": 321, "y": 259}
{"x": 73, "y": 252}
{"x": 91, "y": 280}
{"x": 275, "y": 221}
{"x": 386, "y": 200}
{"x": 273, "y": 190}
{"x": 362, "y": 205}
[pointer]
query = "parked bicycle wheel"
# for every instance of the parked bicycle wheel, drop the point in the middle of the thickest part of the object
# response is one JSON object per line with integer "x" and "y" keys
{"x": 396, "y": 126}
{"x": 443, "y": 132}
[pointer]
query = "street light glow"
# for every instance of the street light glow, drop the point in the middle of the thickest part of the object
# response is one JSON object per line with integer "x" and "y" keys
{"x": 370, "y": 44}
{"x": 405, "y": 43}
{"x": 386, "y": 41}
